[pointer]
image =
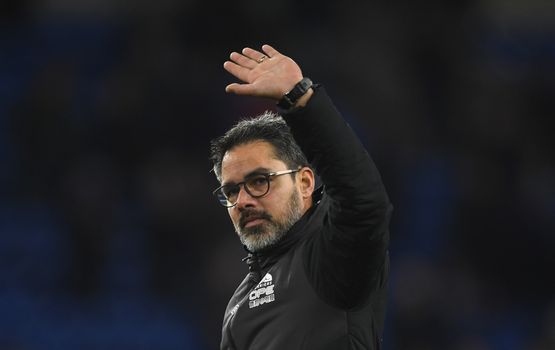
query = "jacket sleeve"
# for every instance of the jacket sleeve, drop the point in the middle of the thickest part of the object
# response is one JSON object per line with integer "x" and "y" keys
{"x": 348, "y": 260}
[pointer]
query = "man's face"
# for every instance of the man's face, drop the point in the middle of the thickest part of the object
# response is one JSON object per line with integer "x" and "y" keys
{"x": 261, "y": 222}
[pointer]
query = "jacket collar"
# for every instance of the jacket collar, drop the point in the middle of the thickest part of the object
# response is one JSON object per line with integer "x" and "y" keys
{"x": 263, "y": 259}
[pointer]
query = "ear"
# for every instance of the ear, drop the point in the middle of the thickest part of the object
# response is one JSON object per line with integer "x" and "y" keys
{"x": 307, "y": 182}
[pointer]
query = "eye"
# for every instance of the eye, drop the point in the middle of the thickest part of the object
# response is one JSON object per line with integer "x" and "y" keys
{"x": 230, "y": 191}
{"x": 258, "y": 181}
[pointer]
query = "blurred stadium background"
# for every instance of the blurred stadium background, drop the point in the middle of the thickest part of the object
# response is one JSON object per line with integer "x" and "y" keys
{"x": 109, "y": 237}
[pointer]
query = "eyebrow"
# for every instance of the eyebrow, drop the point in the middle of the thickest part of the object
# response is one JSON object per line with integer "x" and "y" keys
{"x": 257, "y": 171}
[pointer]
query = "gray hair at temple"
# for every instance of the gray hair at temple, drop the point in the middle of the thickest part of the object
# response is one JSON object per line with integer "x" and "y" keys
{"x": 268, "y": 127}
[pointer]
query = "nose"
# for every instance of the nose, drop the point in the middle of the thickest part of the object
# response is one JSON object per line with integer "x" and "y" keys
{"x": 244, "y": 199}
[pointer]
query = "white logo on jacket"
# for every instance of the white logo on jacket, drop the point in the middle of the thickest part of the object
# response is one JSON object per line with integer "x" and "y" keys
{"x": 234, "y": 310}
{"x": 263, "y": 293}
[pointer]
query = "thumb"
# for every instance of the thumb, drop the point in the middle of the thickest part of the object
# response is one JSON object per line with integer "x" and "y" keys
{"x": 240, "y": 89}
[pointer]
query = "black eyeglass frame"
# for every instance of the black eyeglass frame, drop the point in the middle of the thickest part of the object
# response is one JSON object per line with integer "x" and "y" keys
{"x": 226, "y": 203}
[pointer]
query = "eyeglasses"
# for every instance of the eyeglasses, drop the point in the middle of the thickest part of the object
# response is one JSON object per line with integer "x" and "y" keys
{"x": 257, "y": 186}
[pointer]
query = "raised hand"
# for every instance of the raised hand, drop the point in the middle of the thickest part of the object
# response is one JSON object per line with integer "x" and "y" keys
{"x": 265, "y": 74}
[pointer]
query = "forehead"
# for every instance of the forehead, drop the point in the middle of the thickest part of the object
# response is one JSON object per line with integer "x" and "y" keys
{"x": 243, "y": 159}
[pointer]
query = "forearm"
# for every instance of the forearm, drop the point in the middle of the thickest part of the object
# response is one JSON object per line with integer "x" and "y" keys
{"x": 348, "y": 259}
{"x": 350, "y": 176}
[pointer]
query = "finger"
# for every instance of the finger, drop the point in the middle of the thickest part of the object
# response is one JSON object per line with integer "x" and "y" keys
{"x": 255, "y": 55}
{"x": 236, "y": 70}
{"x": 270, "y": 51}
{"x": 242, "y": 60}
{"x": 239, "y": 89}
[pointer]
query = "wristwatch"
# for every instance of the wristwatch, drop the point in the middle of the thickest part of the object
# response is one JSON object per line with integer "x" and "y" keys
{"x": 289, "y": 99}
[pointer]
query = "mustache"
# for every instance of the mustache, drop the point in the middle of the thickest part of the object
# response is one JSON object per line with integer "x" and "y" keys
{"x": 249, "y": 215}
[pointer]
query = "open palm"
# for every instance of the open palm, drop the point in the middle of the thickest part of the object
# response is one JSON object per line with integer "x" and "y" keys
{"x": 266, "y": 74}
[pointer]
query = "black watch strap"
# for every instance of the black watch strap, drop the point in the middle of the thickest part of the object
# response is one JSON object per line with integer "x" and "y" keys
{"x": 289, "y": 99}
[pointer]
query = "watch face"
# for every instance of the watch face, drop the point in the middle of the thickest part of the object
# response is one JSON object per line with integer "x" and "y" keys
{"x": 305, "y": 84}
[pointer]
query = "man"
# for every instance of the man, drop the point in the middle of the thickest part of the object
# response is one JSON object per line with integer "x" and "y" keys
{"x": 318, "y": 259}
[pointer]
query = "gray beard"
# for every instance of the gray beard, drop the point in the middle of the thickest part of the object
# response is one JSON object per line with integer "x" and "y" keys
{"x": 270, "y": 232}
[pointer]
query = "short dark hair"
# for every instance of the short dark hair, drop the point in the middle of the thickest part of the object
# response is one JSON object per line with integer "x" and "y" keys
{"x": 269, "y": 127}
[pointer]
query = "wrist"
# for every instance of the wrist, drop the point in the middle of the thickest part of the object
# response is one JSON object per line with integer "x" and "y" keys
{"x": 303, "y": 100}
{"x": 298, "y": 96}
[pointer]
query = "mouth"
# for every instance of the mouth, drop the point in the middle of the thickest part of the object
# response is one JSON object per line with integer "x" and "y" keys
{"x": 253, "y": 219}
{"x": 253, "y": 222}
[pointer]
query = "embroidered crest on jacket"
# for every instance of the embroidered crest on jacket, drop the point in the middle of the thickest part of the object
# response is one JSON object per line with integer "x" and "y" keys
{"x": 263, "y": 293}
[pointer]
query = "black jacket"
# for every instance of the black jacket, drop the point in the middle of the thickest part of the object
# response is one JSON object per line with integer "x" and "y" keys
{"x": 324, "y": 285}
